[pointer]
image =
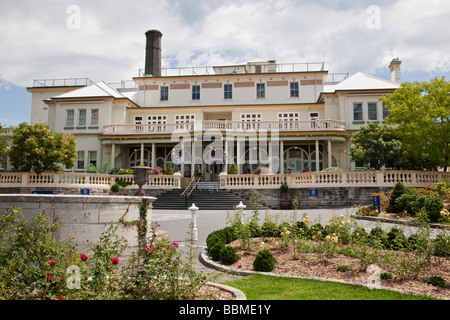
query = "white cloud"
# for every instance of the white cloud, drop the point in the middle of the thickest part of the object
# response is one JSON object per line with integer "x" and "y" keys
{"x": 110, "y": 43}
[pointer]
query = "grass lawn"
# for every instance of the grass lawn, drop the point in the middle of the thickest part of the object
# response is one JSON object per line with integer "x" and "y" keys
{"x": 262, "y": 287}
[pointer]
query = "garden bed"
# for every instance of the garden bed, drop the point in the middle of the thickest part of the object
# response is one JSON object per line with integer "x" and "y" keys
{"x": 339, "y": 267}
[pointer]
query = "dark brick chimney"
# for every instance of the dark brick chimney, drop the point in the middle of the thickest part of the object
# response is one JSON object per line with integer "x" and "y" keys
{"x": 153, "y": 53}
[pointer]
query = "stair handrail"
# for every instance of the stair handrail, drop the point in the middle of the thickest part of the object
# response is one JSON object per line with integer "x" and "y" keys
{"x": 185, "y": 190}
{"x": 192, "y": 190}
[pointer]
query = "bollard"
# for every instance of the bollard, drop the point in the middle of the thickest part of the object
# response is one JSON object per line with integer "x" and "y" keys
{"x": 194, "y": 210}
{"x": 241, "y": 208}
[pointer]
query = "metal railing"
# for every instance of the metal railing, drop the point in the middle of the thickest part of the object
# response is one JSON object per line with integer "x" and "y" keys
{"x": 67, "y": 82}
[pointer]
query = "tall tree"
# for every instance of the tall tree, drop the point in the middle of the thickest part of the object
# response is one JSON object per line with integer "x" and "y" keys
{"x": 375, "y": 146}
{"x": 420, "y": 112}
{"x": 36, "y": 148}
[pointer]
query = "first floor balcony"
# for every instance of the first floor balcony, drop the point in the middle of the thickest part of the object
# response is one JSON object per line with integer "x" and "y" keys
{"x": 226, "y": 126}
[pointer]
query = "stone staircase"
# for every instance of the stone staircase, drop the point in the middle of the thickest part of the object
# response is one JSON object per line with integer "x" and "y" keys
{"x": 207, "y": 196}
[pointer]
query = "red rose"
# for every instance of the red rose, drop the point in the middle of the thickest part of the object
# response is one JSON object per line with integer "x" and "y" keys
{"x": 51, "y": 262}
{"x": 83, "y": 257}
{"x": 50, "y": 278}
{"x": 175, "y": 245}
{"x": 115, "y": 260}
{"x": 60, "y": 298}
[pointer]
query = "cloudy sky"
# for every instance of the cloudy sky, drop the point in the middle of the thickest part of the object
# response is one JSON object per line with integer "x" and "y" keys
{"x": 105, "y": 40}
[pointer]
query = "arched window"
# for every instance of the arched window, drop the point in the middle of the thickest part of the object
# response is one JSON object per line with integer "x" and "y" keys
{"x": 135, "y": 158}
{"x": 297, "y": 159}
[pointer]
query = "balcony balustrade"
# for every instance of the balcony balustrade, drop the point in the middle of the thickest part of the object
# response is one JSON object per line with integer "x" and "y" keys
{"x": 238, "y": 126}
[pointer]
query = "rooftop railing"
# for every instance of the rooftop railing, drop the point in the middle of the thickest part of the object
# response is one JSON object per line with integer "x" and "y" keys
{"x": 67, "y": 82}
{"x": 251, "y": 68}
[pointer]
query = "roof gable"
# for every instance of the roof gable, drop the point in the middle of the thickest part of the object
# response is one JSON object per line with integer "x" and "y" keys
{"x": 362, "y": 81}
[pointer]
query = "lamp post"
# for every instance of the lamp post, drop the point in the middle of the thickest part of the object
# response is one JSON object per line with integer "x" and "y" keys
{"x": 194, "y": 210}
{"x": 241, "y": 208}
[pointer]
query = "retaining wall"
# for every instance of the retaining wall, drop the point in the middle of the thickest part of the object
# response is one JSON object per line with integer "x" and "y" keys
{"x": 83, "y": 218}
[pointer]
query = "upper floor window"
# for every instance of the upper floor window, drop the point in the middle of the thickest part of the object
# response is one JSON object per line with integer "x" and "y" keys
{"x": 228, "y": 91}
{"x": 288, "y": 116}
{"x": 162, "y": 119}
{"x": 184, "y": 118}
{"x": 294, "y": 90}
{"x": 70, "y": 118}
{"x": 80, "y": 159}
{"x": 164, "y": 93}
{"x": 385, "y": 112}
{"x": 260, "y": 90}
{"x": 372, "y": 111}
{"x": 357, "y": 112}
{"x": 138, "y": 120}
{"x": 82, "y": 117}
{"x": 251, "y": 117}
{"x": 94, "y": 117}
{"x": 196, "y": 92}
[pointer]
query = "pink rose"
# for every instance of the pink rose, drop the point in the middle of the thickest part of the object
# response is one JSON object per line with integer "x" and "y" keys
{"x": 175, "y": 245}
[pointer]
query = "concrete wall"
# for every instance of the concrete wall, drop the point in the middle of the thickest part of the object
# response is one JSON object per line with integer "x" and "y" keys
{"x": 83, "y": 218}
{"x": 326, "y": 197}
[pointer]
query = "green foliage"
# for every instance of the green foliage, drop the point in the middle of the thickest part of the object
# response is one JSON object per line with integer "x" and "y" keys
{"x": 124, "y": 182}
{"x": 264, "y": 261}
{"x": 115, "y": 188}
{"x": 343, "y": 268}
{"x": 169, "y": 170}
{"x": 269, "y": 229}
{"x": 367, "y": 211}
{"x": 376, "y": 146}
{"x": 36, "y": 148}
{"x": 421, "y": 113}
{"x": 33, "y": 265}
{"x": 397, "y": 191}
{"x": 228, "y": 255}
{"x": 396, "y": 239}
{"x": 442, "y": 245}
{"x": 436, "y": 281}
{"x": 233, "y": 169}
{"x": 284, "y": 187}
{"x": 433, "y": 207}
{"x": 386, "y": 276}
{"x": 412, "y": 203}
{"x": 30, "y": 258}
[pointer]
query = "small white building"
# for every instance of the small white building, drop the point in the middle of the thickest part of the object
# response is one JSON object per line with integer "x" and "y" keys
{"x": 287, "y": 117}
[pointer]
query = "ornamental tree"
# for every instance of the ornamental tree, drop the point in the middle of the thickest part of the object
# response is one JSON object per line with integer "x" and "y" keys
{"x": 420, "y": 111}
{"x": 36, "y": 148}
{"x": 375, "y": 146}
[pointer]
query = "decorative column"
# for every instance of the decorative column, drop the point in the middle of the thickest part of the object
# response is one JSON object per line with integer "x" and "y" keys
{"x": 238, "y": 156}
{"x": 153, "y": 156}
{"x": 142, "y": 154}
{"x": 317, "y": 156}
{"x": 329, "y": 154}
{"x": 281, "y": 157}
{"x": 194, "y": 210}
{"x": 113, "y": 155}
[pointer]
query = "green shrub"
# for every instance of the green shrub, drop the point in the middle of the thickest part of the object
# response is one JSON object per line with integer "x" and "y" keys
{"x": 442, "y": 245}
{"x": 386, "y": 276}
{"x": 269, "y": 229}
{"x": 367, "y": 212}
{"x": 412, "y": 203}
{"x": 264, "y": 261}
{"x": 317, "y": 232}
{"x": 122, "y": 182}
{"x": 228, "y": 255}
{"x": 301, "y": 229}
{"x": 396, "y": 239}
{"x": 169, "y": 170}
{"x": 397, "y": 191}
{"x": 343, "y": 268}
{"x": 216, "y": 237}
{"x": 233, "y": 169}
{"x": 378, "y": 238}
{"x": 115, "y": 188}
{"x": 284, "y": 187}
{"x": 359, "y": 235}
{"x": 436, "y": 281}
{"x": 214, "y": 250}
{"x": 434, "y": 206}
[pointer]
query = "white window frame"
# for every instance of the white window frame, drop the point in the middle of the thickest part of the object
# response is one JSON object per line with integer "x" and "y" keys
{"x": 70, "y": 121}
{"x": 82, "y": 119}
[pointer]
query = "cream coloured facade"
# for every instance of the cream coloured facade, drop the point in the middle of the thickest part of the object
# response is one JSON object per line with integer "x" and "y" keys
{"x": 287, "y": 117}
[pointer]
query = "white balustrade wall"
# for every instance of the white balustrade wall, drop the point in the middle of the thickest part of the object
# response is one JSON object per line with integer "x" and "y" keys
{"x": 83, "y": 180}
{"x": 332, "y": 179}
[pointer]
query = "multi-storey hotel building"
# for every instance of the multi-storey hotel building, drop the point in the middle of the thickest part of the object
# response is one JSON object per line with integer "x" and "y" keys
{"x": 286, "y": 117}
